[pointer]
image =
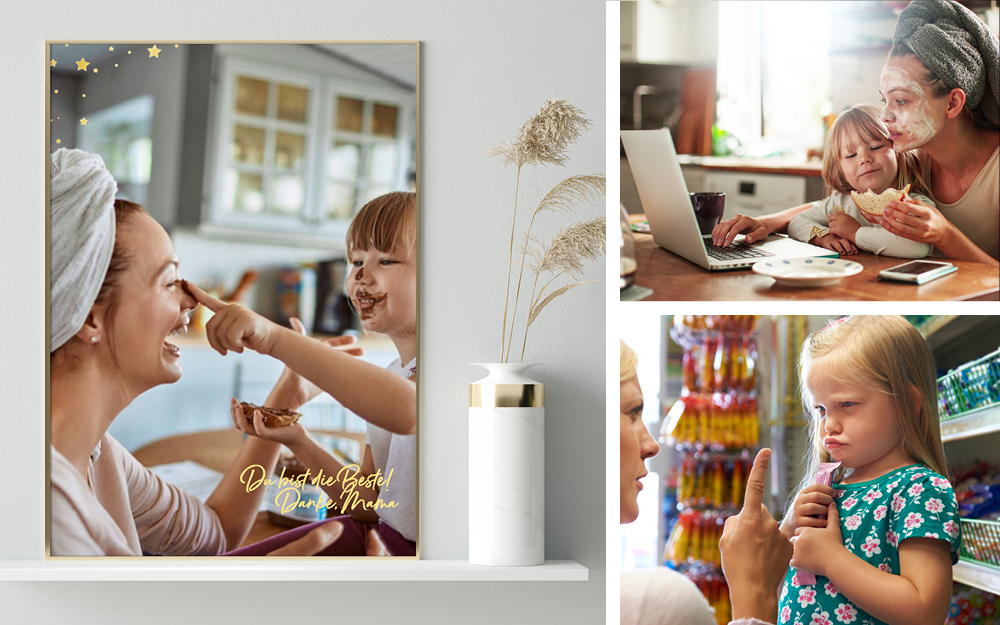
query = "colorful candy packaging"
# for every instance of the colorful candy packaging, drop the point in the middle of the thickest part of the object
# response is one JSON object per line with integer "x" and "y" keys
{"x": 825, "y": 477}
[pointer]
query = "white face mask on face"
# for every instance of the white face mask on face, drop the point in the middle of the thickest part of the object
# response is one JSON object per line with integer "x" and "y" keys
{"x": 907, "y": 110}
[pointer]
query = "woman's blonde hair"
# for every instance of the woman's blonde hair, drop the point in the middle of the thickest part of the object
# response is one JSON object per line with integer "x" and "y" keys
{"x": 385, "y": 222}
{"x": 884, "y": 353}
{"x": 629, "y": 362}
{"x": 859, "y": 124}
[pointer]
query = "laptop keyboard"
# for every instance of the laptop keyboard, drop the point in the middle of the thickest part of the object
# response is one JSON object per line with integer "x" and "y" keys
{"x": 736, "y": 251}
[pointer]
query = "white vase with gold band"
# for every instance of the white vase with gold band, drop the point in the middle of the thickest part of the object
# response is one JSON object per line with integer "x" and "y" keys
{"x": 506, "y": 468}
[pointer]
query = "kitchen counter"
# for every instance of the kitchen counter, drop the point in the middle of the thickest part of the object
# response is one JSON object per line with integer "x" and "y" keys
{"x": 770, "y": 165}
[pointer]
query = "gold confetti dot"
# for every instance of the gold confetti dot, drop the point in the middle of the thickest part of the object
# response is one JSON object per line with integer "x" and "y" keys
{"x": 111, "y": 48}
{"x": 95, "y": 70}
{"x": 130, "y": 52}
{"x": 116, "y": 64}
{"x": 85, "y": 95}
{"x": 66, "y": 44}
{"x": 56, "y": 91}
{"x": 175, "y": 45}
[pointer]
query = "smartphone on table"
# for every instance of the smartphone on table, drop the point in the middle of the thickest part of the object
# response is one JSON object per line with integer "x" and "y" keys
{"x": 917, "y": 271}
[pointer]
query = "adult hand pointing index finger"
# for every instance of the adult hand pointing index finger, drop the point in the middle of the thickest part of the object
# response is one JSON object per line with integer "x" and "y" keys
{"x": 203, "y": 298}
{"x": 755, "y": 553}
{"x": 754, "y": 497}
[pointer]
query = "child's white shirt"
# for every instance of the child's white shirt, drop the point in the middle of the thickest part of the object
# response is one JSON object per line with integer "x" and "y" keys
{"x": 870, "y": 237}
{"x": 397, "y": 453}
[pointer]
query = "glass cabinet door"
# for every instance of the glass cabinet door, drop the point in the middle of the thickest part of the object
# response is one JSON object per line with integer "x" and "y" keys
{"x": 364, "y": 154}
{"x": 268, "y": 152}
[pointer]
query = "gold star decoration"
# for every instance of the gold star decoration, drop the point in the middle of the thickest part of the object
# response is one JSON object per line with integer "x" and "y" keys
{"x": 154, "y": 51}
{"x": 58, "y": 140}
{"x": 83, "y": 122}
{"x": 82, "y": 64}
{"x": 95, "y": 70}
{"x": 52, "y": 62}
{"x": 111, "y": 48}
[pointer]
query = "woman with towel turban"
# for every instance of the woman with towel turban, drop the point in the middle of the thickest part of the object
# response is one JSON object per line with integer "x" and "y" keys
{"x": 941, "y": 88}
{"x": 940, "y": 85}
{"x": 755, "y": 553}
{"x": 115, "y": 299}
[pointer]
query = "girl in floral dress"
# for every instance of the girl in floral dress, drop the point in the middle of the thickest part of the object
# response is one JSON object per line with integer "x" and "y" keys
{"x": 884, "y": 551}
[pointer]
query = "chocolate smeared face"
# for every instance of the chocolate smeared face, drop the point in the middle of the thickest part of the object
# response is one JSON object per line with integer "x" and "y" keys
{"x": 383, "y": 289}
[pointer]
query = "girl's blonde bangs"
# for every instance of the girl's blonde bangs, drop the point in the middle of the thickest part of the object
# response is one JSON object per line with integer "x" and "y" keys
{"x": 384, "y": 222}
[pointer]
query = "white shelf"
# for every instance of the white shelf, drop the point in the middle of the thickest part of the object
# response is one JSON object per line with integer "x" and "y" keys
{"x": 159, "y": 569}
{"x": 978, "y": 422}
{"x": 982, "y": 577}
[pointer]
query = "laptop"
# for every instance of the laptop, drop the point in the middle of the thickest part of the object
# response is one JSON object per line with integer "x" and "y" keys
{"x": 672, "y": 221}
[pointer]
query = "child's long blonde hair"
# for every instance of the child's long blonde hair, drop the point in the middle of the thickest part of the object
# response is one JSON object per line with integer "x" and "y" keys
{"x": 859, "y": 124}
{"x": 884, "y": 353}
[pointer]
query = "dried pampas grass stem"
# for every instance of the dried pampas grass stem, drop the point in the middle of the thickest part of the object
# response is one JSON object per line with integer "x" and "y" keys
{"x": 544, "y": 139}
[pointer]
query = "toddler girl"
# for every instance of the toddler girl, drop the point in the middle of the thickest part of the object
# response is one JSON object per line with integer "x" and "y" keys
{"x": 859, "y": 156}
{"x": 381, "y": 251}
{"x": 884, "y": 553}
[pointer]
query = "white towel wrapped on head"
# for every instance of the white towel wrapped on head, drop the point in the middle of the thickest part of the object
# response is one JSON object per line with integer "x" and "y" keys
{"x": 82, "y": 223}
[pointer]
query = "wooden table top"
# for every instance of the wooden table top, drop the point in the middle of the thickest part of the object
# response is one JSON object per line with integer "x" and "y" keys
{"x": 673, "y": 278}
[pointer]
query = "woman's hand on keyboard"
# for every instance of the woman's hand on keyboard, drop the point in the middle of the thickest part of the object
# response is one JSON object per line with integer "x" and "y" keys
{"x": 724, "y": 233}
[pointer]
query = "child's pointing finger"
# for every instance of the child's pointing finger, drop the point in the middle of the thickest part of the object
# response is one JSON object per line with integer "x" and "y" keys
{"x": 202, "y": 297}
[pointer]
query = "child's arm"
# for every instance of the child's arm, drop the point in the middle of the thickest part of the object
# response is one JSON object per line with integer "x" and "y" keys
{"x": 378, "y": 396}
{"x": 877, "y": 240}
{"x": 919, "y": 595}
{"x": 801, "y": 228}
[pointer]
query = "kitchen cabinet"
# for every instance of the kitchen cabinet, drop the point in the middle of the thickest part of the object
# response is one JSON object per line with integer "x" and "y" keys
{"x": 300, "y": 150}
{"x": 756, "y": 194}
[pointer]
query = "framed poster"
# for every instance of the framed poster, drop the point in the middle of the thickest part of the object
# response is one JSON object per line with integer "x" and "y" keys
{"x": 232, "y": 316}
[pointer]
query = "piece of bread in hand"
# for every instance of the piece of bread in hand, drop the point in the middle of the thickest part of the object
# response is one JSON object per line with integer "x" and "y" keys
{"x": 874, "y": 204}
{"x": 273, "y": 417}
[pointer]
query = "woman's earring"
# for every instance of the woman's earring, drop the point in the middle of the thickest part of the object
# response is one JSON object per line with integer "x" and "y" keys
{"x": 93, "y": 339}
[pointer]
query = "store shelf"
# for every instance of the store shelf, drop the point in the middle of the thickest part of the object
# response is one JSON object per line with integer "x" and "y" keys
{"x": 982, "y": 577}
{"x": 946, "y": 330}
{"x": 981, "y": 421}
{"x": 158, "y": 569}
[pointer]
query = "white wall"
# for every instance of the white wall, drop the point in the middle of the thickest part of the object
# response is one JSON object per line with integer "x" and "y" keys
{"x": 485, "y": 67}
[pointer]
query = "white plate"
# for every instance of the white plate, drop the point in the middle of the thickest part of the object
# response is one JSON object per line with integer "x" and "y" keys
{"x": 807, "y": 272}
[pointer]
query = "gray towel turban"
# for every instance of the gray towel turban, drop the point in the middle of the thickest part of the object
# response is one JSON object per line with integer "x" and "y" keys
{"x": 82, "y": 222}
{"x": 957, "y": 46}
